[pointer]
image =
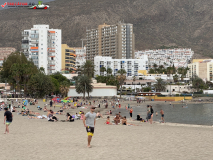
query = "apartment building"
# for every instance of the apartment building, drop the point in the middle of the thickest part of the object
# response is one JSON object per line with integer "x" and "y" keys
{"x": 132, "y": 66}
{"x": 43, "y": 46}
{"x": 80, "y": 56}
{"x": 116, "y": 41}
{"x": 202, "y": 69}
{"x": 68, "y": 58}
{"x": 180, "y": 57}
{"x": 5, "y": 52}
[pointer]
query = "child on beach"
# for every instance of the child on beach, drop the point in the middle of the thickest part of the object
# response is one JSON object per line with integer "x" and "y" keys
{"x": 8, "y": 118}
{"x": 117, "y": 119}
{"x": 108, "y": 121}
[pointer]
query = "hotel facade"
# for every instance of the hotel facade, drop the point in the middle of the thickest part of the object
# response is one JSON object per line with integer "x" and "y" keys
{"x": 43, "y": 46}
{"x": 116, "y": 41}
{"x": 131, "y": 66}
{"x": 201, "y": 68}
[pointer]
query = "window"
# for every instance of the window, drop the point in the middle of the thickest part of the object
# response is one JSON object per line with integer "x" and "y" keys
{"x": 41, "y": 48}
{"x": 41, "y": 52}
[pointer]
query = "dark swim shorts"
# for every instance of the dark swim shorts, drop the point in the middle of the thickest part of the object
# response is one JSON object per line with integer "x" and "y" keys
{"x": 90, "y": 130}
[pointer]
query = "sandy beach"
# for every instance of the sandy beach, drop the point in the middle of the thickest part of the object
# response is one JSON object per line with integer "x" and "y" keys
{"x": 40, "y": 139}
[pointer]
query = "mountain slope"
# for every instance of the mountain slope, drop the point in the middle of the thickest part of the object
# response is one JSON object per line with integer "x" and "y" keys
{"x": 185, "y": 23}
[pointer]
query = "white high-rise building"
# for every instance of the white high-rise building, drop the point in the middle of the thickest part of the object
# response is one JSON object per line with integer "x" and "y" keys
{"x": 80, "y": 56}
{"x": 131, "y": 66}
{"x": 43, "y": 46}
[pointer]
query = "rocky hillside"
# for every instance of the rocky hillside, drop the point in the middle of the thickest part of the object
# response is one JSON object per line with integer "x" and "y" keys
{"x": 185, "y": 23}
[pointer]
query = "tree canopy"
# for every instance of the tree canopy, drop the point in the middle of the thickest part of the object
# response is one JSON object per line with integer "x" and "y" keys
{"x": 83, "y": 85}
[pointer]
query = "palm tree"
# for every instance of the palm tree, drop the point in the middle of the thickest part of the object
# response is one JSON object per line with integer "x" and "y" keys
{"x": 64, "y": 88}
{"x": 155, "y": 66}
{"x": 79, "y": 70}
{"x": 134, "y": 78}
{"x": 109, "y": 71}
{"x": 102, "y": 70}
{"x": 83, "y": 85}
{"x": 88, "y": 68}
{"x": 71, "y": 70}
{"x": 41, "y": 69}
{"x": 160, "y": 85}
{"x": 27, "y": 72}
{"x": 161, "y": 68}
{"x": 16, "y": 74}
{"x": 121, "y": 78}
{"x": 175, "y": 77}
{"x": 183, "y": 71}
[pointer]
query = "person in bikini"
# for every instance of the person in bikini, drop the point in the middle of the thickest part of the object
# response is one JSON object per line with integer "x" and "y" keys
{"x": 108, "y": 121}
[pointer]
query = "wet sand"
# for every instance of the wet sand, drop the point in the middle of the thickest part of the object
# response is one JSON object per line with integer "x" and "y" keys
{"x": 40, "y": 139}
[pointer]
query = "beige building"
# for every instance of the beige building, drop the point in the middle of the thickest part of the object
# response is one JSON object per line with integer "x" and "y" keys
{"x": 116, "y": 41}
{"x": 201, "y": 68}
{"x": 68, "y": 58}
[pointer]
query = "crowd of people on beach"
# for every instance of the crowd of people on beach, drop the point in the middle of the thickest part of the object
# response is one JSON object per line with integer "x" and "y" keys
{"x": 20, "y": 107}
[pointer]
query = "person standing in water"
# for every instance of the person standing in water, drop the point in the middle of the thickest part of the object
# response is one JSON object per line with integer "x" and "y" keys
{"x": 130, "y": 112}
{"x": 89, "y": 123}
{"x": 162, "y": 115}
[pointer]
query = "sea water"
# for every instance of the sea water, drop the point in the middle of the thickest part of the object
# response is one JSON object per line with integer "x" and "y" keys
{"x": 199, "y": 114}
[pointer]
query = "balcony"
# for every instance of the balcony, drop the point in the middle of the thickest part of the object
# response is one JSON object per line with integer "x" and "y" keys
{"x": 51, "y": 68}
{"x": 34, "y": 38}
{"x": 24, "y": 46}
{"x": 51, "y": 54}
{"x": 50, "y": 51}
{"x": 51, "y": 62}
{"x": 34, "y": 42}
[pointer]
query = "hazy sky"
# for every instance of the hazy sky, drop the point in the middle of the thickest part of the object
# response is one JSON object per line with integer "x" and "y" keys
{"x": 24, "y": 1}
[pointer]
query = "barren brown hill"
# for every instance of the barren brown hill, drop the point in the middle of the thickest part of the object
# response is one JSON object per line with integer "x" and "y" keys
{"x": 183, "y": 23}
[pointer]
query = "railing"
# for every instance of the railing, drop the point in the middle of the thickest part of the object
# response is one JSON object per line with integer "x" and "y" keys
{"x": 51, "y": 54}
{"x": 51, "y": 62}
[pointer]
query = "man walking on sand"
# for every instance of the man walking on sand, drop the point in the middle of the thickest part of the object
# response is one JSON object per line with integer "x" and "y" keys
{"x": 90, "y": 124}
{"x": 8, "y": 117}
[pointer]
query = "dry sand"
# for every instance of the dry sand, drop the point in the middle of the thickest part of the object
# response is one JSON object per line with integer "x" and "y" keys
{"x": 39, "y": 139}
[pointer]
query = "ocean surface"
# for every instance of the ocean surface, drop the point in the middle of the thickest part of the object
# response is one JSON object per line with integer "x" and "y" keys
{"x": 22, "y": 1}
{"x": 199, "y": 114}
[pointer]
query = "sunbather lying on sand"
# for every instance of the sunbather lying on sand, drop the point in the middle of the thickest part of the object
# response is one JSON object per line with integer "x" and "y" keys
{"x": 37, "y": 117}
